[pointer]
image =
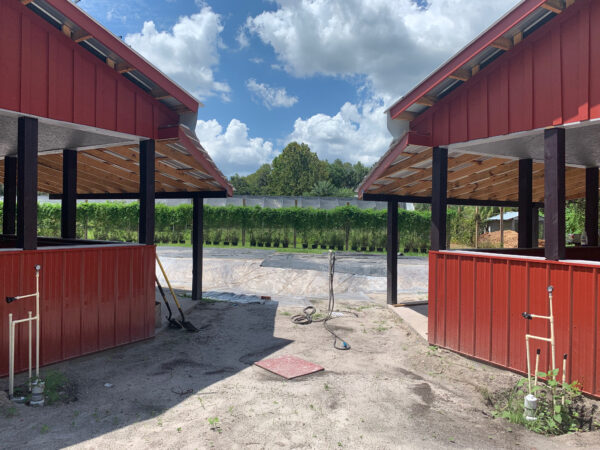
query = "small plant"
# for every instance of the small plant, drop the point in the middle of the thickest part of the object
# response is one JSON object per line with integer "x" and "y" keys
{"x": 559, "y": 407}
{"x": 10, "y": 412}
{"x": 58, "y": 388}
{"x": 214, "y": 424}
{"x": 45, "y": 428}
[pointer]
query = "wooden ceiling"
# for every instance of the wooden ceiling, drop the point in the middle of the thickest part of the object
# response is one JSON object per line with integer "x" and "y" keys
{"x": 115, "y": 170}
{"x": 470, "y": 176}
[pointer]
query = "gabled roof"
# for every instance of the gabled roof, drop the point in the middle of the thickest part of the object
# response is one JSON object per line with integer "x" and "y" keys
{"x": 96, "y": 39}
{"x": 511, "y": 29}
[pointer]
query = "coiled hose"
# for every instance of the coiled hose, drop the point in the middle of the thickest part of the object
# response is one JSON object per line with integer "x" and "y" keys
{"x": 306, "y": 317}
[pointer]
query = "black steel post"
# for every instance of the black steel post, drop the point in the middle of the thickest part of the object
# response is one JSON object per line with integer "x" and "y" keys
{"x": 146, "y": 228}
{"x": 439, "y": 181}
{"x": 392, "y": 252}
{"x": 525, "y": 203}
{"x": 591, "y": 205}
{"x": 27, "y": 153}
{"x": 9, "y": 208}
{"x": 554, "y": 193}
{"x": 68, "y": 212}
{"x": 197, "y": 246}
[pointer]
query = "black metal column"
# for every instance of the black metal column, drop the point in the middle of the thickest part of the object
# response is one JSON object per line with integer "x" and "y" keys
{"x": 591, "y": 205}
{"x": 27, "y": 152}
{"x": 554, "y": 193}
{"x": 392, "y": 252}
{"x": 9, "y": 208}
{"x": 525, "y": 203}
{"x": 439, "y": 200}
{"x": 68, "y": 212}
{"x": 146, "y": 228}
{"x": 197, "y": 245}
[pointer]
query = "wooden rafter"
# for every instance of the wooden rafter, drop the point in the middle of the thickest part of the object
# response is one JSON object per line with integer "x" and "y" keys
{"x": 461, "y": 74}
{"x": 503, "y": 43}
{"x": 556, "y": 6}
{"x": 427, "y": 100}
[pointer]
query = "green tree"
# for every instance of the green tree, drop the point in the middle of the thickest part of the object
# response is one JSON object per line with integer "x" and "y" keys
{"x": 240, "y": 184}
{"x": 296, "y": 170}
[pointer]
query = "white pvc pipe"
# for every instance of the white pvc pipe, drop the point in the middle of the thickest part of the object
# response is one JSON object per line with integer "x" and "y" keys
{"x": 11, "y": 360}
{"x": 29, "y": 323}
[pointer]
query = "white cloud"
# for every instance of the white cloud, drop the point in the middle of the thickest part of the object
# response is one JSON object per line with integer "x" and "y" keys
{"x": 355, "y": 133}
{"x": 393, "y": 44}
{"x": 233, "y": 150}
{"x": 188, "y": 52}
{"x": 269, "y": 96}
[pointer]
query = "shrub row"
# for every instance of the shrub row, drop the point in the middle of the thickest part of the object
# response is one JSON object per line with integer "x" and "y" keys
{"x": 343, "y": 227}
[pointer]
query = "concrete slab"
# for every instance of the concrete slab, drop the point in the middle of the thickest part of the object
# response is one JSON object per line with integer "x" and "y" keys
{"x": 414, "y": 316}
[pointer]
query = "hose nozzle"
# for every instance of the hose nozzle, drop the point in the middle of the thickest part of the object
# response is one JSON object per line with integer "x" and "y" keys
{"x": 527, "y": 316}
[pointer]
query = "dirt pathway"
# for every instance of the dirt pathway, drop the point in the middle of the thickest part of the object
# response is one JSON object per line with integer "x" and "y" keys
{"x": 390, "y": 391}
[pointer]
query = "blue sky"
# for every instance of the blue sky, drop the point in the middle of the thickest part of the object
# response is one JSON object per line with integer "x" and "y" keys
{"x": 317, "y": 71}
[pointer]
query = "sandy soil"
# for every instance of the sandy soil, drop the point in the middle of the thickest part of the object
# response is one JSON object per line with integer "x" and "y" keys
{"x": 390, "y": 391}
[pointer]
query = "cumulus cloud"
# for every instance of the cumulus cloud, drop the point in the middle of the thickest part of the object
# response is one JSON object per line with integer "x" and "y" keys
{"x": 391, "y": 44}
{"x": 355, "y": 133}
{"x": 232, "y": 149}
{"x": 269, "y": 96}
{"x": 188, "y": 52}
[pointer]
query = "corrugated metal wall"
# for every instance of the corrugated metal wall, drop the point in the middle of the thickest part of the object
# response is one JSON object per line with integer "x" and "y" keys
{"x": 46, "y": 74}
{"x": 476, "y": 302}
{"x": 91, "y": 299}
{"x": 551, "y": 78}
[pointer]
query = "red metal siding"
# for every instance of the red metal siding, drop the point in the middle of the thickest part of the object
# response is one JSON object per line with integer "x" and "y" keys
{"x": 46, "y": 74}
{"x": 490, "y": 293}
{"x": 551, "y": 78}
{"x": 91, "y": 299}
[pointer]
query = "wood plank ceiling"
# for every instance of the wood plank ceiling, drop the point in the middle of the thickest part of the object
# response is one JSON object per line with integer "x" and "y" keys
{"x": 115, "y": 170}
{"x": 470, "y": 176}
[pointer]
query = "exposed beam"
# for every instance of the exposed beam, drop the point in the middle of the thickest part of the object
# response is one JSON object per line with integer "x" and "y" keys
{"x": 461, "y": 74}
{"x": 503, "y": 44}
{"x": 451, "y": 201}
{"x": 427, "y": 100}
{"x": 158, "y": 195}
{"x": 80, "y": 36}
{"x": 518, "y": 38}
{"x": 556, "y": 6}
{"x": 66, "y": 30}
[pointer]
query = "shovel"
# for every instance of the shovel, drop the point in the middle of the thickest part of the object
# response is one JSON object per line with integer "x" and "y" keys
{"x": 173, "y": 323}
{"x": 187, "y": 325}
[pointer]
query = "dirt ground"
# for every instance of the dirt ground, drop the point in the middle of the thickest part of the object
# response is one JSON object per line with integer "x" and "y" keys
{"x": 391, "y": 390}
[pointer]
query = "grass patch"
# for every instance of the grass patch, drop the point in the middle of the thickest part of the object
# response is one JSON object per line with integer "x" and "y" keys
{"x": 58, "y": 388}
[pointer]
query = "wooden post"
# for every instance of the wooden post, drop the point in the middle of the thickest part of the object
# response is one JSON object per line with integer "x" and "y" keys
{"x": 197, "y": 246}
{"x": 477, "y": 227}
{"x": 146, "y": 228}
{"x": 554, "y": 193}
{"x": 68, "y": 211}
{"x": 591, "y": 205}
{"x": 439, "y": 179}
{"x": 9, "y": 209}
{"x": 392, "y": 252}
{"x": 27, "y": 153}
{"x": 501, "y": 227}
{"x": 525, "y": 203}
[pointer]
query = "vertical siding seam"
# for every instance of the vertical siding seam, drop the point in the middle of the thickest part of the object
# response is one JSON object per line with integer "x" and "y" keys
{"x": 508, "y": 317}
{"x": 596, "y": 335}
{"x": 570, "y": 344}
{"x": 475, "y": 261}
{"x": 459, "y": 300}
{"x": 491, "y": 308}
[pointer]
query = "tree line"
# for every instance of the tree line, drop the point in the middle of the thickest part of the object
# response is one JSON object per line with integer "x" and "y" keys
{"x": 299, "y": 171}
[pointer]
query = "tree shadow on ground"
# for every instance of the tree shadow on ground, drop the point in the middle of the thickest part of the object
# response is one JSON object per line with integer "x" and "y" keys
{"x": 147, "y": 378}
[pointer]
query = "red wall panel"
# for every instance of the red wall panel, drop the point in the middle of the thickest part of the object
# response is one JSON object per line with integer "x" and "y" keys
{"x": 80, "y": 289}
{"x": 550, "y": 78}
{"x": 44, "y": 73}
{"x": 504, "y": 288}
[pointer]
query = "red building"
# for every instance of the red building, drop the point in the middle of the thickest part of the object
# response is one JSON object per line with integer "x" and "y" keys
{"x": 83, "y": 116}
{"x": 510, "y": 120}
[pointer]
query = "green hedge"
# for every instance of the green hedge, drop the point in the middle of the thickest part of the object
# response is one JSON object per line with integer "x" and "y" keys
{"x": 343, "y": 227}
